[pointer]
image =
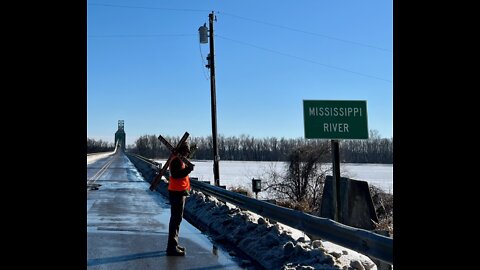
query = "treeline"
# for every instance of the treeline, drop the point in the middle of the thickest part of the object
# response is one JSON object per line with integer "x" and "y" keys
{"x": 373, "y": 150}
{"x": 244, "y": 147}
{"x": 367, "y": 151}
{"x": 94, "y": 146}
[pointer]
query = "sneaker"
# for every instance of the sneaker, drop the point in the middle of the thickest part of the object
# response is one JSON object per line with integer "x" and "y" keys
{"x": 181, "y": 248}
{"x": 175, "y": 252}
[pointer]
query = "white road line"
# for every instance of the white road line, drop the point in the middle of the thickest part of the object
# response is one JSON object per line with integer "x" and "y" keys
{"x": 99, "y": 173}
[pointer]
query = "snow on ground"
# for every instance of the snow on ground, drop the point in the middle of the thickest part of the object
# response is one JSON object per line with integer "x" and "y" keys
{"x": 271, "y": 244}
{"x": 96, "y": 156}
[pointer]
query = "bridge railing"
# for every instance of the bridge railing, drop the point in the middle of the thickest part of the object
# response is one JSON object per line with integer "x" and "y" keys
{"x": 366, "y": 242}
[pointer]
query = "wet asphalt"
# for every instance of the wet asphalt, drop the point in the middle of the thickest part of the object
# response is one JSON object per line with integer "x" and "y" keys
{"x": 127, "y": 224}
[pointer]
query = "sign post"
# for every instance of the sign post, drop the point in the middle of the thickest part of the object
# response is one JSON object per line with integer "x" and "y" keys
{"x": 335, "y": 119}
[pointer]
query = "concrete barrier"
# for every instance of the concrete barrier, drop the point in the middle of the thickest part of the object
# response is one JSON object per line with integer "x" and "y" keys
{"x": 357, "y": 209}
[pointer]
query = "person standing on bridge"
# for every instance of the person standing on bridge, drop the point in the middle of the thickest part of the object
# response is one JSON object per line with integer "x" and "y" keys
{"x": 178, "y": 190}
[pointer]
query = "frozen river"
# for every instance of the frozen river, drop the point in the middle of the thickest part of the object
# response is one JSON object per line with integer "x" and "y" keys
{"x": 240, "y": 173}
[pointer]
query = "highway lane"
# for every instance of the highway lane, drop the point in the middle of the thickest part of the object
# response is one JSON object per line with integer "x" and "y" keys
{"x": 127, "y": 224}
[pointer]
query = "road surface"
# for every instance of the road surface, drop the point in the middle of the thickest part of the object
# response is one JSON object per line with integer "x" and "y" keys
{"x": 127, "y": 224}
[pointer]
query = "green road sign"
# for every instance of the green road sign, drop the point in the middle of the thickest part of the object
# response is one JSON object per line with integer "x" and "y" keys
{"x": 335, "y": 119}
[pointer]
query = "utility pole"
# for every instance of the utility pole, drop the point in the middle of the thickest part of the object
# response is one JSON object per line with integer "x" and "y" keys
{"x": 211, "y": 66}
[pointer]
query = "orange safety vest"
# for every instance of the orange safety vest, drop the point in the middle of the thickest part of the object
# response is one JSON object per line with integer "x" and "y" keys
{"x": 179, "y": 184}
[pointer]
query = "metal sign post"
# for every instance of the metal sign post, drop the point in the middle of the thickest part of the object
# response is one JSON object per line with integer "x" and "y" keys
{"x": 336, "y": 180}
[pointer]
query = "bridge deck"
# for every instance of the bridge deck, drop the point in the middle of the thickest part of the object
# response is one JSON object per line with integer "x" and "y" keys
{"x": 127, "y": 224}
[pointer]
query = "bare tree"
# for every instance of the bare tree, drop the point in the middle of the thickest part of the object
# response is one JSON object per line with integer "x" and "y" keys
{"x": 302, "y": 184}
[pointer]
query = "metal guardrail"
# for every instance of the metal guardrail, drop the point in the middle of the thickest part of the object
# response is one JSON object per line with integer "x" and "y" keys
{"x": 154, "y": 165}
{"x": 366, "y": 242}
{"x": 363, "y": 241}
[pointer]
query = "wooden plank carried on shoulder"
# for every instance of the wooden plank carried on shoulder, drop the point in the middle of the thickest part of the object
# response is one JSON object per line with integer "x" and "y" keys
{"x": 173, "y": 154}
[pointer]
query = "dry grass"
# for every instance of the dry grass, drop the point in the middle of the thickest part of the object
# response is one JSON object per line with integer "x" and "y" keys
{"x": 303, "y": 206}
{"x": 383, "y": 203}
{"x": 241, "y": 190}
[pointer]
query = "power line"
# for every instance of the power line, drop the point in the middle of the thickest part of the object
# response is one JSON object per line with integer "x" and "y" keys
{"x": 304, "y": 59}
{"x": 306, "y": 32}
{"x": 245, "y": 43}
{"x": 139, "y": 36}
{"x": 150, "y": 8}
{"x": 247, "y": 19}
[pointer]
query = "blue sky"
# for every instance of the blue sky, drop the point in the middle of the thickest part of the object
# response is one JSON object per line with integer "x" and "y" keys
{"x": 145, "y": 65}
